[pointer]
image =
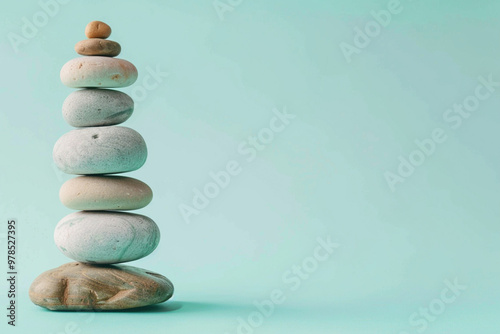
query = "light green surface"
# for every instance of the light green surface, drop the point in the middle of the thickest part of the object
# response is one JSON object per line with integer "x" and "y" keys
{"x": 323, "y": 173}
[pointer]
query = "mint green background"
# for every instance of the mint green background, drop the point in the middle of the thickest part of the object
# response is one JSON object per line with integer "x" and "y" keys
{"x": 323, "y": 175}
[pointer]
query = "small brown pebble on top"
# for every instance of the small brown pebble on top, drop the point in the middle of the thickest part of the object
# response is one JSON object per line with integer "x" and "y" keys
{"x": 97, "y": 29}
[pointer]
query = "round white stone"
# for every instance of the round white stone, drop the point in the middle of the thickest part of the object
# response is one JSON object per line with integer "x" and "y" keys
{"x": 97, "y": 107}
{"x": 106, "y": 237}
{"x": 100, "y": 150}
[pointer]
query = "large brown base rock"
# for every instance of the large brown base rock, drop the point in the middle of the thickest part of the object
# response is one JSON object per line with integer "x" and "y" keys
{"x": 77, "y": 286}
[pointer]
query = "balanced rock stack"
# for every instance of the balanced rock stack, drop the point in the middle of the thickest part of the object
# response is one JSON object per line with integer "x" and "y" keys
{"x": 98, "y": 237}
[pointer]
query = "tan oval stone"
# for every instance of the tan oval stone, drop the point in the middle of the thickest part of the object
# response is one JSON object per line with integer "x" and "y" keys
{"x": 105, "y": 193}
{"x": 77, "y": 286}
{"x": 98, "y": 47}
{"x": 97, "y": 29}
{"x": 98, "y": 72}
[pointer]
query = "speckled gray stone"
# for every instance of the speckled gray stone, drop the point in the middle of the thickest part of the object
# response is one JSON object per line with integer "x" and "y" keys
{"x": 98, "y": 71}
{"x": 100, "y": 150}
{"x": 106, "y": 237}
{"x": 97, "y": 107}
{"x": 105, "y": 193}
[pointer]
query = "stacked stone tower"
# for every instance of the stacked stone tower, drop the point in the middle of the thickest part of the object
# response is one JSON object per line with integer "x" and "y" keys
{"x": 101, "y": 234}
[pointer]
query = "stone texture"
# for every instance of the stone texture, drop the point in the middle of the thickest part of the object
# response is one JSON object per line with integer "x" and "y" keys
{"x": 98, "y": 72}
{"x": 97, "y": 29}
{"x": 76, "y": 287}
{"x": 105, "y": 193}
{"x": 100, "y": 150}
{"x": 98, "y": 47}
{"x": 106, "y": 237}
{"x": 97, "y": 107}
